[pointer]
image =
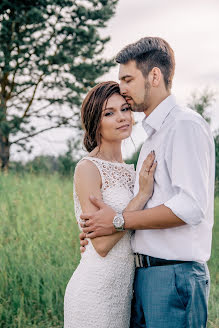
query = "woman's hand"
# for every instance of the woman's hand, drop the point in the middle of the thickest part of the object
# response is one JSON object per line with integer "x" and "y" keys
{"x": 146, "y": 175}
{"x": 146, "y": 184}
{"x": 83, "y": 242}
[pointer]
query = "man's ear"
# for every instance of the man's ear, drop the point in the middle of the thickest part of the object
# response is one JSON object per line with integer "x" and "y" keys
{"x": 155, "y": 77}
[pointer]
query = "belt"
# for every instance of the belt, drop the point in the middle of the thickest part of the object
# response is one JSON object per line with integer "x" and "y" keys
{"x": 145, "y": 261}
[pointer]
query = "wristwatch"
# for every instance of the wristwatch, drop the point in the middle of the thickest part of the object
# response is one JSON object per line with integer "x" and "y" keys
{"x": 118, "y": 222}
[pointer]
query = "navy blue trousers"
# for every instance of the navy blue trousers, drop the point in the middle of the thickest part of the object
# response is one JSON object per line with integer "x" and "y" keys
{"x": 171, "y": 296}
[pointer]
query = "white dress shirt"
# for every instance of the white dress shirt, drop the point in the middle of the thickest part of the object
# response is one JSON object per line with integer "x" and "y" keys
{"x": 184, "y": 182}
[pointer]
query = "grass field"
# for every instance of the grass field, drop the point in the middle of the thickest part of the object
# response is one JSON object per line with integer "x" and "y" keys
{"x": 39, "y": 250}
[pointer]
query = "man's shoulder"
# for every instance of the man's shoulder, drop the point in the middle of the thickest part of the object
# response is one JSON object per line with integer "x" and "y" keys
{"x": 185, "y": 121}
{"x": 186, "y": 116}
{"x": 186, "y": 113}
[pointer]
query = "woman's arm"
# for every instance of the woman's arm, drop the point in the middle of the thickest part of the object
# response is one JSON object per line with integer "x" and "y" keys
{"x": 88, "y": 181}
{"x": 146, "y": 179}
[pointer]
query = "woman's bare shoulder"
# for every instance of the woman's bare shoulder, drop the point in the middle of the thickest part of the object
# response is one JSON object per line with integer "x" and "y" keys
{"x": 87, "y": 170}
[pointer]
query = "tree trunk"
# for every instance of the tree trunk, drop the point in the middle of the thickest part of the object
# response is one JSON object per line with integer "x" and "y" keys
{"x": 4, "y": 152}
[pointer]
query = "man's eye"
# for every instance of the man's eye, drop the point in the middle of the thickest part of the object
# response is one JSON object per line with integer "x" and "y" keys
{"x": 127, "y": 81}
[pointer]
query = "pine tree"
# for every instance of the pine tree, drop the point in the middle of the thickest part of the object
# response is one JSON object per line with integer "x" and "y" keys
{"x": 50, "y": 54}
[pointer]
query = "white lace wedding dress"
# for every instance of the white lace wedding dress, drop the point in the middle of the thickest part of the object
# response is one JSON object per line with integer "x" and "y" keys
{"x": 99, "y": 292}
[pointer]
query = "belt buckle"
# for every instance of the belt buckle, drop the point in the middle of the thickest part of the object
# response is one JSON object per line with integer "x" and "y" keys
{"x": 141, "y": 261}
{"x": 137, "y": 262}
{"x": 148, "y": 261}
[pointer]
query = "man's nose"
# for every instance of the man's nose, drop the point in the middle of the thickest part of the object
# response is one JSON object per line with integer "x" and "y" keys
{"x": 122, "y": 88}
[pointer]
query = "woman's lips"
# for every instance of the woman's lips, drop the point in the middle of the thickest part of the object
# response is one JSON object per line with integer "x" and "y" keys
{"x": 123, "y": 127}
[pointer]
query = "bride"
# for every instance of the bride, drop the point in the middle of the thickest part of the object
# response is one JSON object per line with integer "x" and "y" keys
{"x": 99, "y": 292}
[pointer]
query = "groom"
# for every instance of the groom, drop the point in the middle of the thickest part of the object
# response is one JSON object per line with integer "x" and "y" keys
{"x": 172, "y": 239}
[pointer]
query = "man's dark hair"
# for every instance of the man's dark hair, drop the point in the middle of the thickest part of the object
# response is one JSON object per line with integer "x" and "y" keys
{"x": 150, "y": 52}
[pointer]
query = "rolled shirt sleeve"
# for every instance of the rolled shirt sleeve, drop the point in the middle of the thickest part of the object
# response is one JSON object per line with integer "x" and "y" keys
{"x": 187, "y": 159}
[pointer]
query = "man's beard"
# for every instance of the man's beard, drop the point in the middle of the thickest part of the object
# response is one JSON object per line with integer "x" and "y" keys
{"x": 139, "y": 108}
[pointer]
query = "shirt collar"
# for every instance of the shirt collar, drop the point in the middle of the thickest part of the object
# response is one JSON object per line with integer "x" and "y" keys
{"x": 154, "y": 121}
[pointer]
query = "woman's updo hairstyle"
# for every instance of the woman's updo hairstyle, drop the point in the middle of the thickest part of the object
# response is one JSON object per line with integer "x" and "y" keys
{"x": 91, "y": 111}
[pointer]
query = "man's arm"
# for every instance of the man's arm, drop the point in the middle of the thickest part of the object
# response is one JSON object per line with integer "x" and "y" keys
{"x": 159, "y": 217}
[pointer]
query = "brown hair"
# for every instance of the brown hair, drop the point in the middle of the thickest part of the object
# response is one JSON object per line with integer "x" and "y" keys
{"x": 150, "y": 52}
{"x": 91, "y": 111}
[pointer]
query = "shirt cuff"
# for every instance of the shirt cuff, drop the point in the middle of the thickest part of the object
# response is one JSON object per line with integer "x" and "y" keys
{"x": 185, "y": 208}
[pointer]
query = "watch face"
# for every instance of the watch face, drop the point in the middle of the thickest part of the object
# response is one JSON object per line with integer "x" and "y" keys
{"x": 118, "y": 221}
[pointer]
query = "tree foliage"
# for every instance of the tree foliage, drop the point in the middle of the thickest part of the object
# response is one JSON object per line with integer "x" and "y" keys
{"x": 216, "y": 140}
{"x": 50, "y": 54}
{"x": 134, "y": 158}
{"x": 201, "y": 102}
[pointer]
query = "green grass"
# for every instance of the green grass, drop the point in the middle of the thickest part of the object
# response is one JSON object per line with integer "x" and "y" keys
{"x": 39, "y": 250}
{"x": 213, "y": 318}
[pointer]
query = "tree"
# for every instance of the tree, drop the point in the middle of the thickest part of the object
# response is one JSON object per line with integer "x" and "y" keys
{"x": 216, "y": 140}
{"x": 201, "y": 103}
{"x": 50, "y": 54}
{"x": 134, "y": 157}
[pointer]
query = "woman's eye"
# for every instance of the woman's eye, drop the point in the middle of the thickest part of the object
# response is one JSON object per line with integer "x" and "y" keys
{"x": 108, "y": 114}
{"x": 126, "y": 109}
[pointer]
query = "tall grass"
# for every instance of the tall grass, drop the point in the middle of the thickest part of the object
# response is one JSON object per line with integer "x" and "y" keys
{"x": 39, "y": 250}
{"x": 213, "y": 318}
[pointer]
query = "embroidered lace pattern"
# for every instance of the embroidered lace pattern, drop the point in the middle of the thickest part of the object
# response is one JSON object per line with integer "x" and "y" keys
{"x": 99, "y": 292}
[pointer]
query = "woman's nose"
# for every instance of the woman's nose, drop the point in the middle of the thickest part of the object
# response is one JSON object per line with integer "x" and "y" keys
{"x": 121, "y": 116}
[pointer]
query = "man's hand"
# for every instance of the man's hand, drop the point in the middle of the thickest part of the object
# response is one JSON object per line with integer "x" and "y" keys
{"x": 99, "y": 223}
{"x": 83, "y": 242}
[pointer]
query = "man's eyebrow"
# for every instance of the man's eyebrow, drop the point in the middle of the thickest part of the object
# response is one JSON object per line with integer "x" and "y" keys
{"x": 124, "y": 77}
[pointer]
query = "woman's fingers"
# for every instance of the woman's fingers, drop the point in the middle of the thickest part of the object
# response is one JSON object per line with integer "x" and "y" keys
{"x": 82, "y": 249}
{"x": 84, "y": 242}
{"x": 148, "y": 162}
{"x": 146, "y": 175}
{"x": 82, "y": 236}
{"x": 153, "y": 168}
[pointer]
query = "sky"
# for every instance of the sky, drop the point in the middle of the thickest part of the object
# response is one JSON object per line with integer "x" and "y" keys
{"x": 191, "y": 27}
